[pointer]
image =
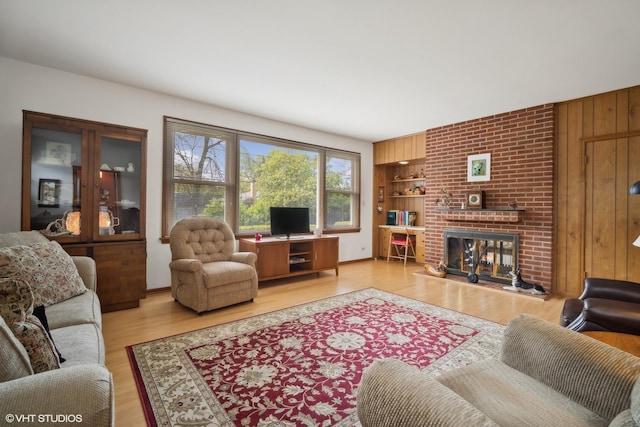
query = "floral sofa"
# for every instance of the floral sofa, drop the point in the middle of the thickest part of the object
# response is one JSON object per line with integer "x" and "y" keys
{"x": 51, "y": 343}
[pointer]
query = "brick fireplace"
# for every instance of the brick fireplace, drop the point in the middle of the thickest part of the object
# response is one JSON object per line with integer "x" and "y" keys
{"x": 522, "y": 152}
{"x": 496, "y": 254}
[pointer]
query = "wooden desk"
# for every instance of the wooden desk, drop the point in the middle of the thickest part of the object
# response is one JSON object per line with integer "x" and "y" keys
{"x": 626, "y": 342}
{"x": 383, "y": 241}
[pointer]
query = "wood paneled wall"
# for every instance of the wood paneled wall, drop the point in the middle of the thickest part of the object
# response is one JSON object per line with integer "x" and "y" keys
{"x": 614, "y": 119}
{"x": 410, "y": 147}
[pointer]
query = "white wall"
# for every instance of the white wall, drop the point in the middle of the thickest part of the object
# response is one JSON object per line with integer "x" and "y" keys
{"x": 25, "y": 86}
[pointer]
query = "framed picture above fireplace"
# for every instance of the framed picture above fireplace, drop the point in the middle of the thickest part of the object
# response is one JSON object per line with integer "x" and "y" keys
{"x": 479, "y": 167}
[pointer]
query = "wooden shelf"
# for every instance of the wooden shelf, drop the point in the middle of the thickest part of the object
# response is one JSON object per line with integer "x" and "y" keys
{"x": 400, "y": 181}
{"x": 481, "y": 215}
{"x": 407, "y": 180}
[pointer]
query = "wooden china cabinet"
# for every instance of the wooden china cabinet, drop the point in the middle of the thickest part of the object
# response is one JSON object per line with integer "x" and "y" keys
{"x": 83, "y": 185}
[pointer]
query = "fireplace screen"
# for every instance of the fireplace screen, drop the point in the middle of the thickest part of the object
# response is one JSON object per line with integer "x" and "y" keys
{"x": 495, "y": 254}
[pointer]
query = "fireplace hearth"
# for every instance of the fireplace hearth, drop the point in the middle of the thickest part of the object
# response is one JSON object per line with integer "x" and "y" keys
{"x": 496, "y": 254}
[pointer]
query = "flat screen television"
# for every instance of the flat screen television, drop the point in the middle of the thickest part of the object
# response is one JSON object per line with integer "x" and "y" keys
{"x": 288, "y": 221}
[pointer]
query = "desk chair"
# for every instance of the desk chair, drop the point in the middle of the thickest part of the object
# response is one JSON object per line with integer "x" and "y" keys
{"x": 402, "y": 244}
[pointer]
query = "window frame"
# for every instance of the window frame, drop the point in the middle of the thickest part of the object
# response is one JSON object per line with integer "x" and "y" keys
{"x": 354, "y": 192}
{"x": 232, "y": 174}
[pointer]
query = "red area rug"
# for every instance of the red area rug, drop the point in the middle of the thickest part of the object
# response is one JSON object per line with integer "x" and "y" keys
{"x": 300, "y": 366}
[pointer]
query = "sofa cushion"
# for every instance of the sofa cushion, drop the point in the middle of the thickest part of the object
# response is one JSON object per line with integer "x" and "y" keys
{"x": 635, "y": 402}
{"x": 84, "y": 308}
{"x": 16, "y": 308}
{"x": 15, "y": 360}
{"x": 41, "y": 314}
{"x": 81, "y": 344}
{"x": 509, "y": 397}
{"x": 47, "y": 268}
{"x": 623, "y": 419}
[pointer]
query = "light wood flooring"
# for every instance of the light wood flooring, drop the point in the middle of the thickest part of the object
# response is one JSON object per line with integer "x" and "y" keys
{"x": 159, "y": 316}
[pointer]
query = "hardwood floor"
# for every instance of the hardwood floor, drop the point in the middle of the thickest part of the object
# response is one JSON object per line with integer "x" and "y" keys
{"x": 159, "y": 316}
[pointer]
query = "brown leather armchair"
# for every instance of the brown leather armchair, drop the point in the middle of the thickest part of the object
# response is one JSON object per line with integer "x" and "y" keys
{"x": 605, "y": 305}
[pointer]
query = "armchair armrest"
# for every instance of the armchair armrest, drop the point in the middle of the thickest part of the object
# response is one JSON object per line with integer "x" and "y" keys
{"x": 609, "y": 315}
{"x": 186, "y": 264}
{"x": 589, "y": 372}
{"x": 245, "y": 258}
{"x": 84, "y": 391}
{"x": 393, "y": 393}
{"x": 620, "y": 290}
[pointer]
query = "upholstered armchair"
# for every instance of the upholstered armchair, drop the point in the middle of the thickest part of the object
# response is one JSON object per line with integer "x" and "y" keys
{"x": 605, "y": 305}
{"x": 206, "y": 272}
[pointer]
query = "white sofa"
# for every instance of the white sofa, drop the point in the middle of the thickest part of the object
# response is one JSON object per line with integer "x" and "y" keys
{"x": 82, "y": 388}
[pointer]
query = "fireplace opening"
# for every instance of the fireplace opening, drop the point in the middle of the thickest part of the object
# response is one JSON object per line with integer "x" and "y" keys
{"x": 496, "y": 254}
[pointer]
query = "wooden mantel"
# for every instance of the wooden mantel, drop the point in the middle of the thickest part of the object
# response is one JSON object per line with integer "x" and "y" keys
{"x": 481, "y": 215}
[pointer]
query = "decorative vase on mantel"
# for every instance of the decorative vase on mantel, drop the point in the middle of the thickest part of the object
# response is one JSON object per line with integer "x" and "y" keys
{"x": 445, "y": 199}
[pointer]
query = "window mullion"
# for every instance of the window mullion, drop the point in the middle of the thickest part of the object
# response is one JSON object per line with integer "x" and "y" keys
{"x": 322, "y": 194}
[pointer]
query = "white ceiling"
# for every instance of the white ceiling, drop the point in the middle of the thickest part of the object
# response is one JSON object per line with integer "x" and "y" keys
{"x": 369, "y": 69}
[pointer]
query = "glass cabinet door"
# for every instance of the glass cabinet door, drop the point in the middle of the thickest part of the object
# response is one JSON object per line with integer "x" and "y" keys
{"x": 119, "y": 188}
{"x": 83, "y": 182}
{"x": 56, "y": 183}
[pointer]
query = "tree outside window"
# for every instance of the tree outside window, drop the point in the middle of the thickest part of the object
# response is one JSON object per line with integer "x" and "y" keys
{"x": 272, "y": 175}
{"x": 341, "y": 191}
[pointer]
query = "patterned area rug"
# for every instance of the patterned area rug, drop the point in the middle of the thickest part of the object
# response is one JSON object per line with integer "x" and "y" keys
{"x": 300, "y": 366}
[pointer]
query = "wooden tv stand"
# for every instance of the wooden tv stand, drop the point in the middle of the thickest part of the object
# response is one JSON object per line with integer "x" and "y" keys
{"x": 278, "y": 258}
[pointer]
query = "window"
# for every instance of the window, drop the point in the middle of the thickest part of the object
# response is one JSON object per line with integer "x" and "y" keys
{"x": 342, "y": 195}
{"x": 197, "y": 172}
{"x": 237, "y": 176}
{"x": 274, "y": 173}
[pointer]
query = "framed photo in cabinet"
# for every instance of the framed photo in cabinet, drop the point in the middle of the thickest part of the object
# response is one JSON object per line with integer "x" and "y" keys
{"x": 49, "y": 193}
{"x": 381, "y": 194}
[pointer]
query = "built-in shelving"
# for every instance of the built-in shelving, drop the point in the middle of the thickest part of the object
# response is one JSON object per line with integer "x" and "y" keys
{"x": 408, "y": 180}
{"x": 395, "y": 183}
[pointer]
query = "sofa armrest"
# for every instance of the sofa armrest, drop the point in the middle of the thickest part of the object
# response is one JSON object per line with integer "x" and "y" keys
{"x": 186, "y": 264}
{"x": 245, "y": 258}
{"x": 620, "y": 290}
{"x": 87, "y": 269}
{"x": 589, "y": 372}
{"x": 84, "y": 391}
{"x": 392, "y": 393}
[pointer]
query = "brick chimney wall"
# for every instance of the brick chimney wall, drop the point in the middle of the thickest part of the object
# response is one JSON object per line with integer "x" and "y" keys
{"x": 521, "y": 148}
